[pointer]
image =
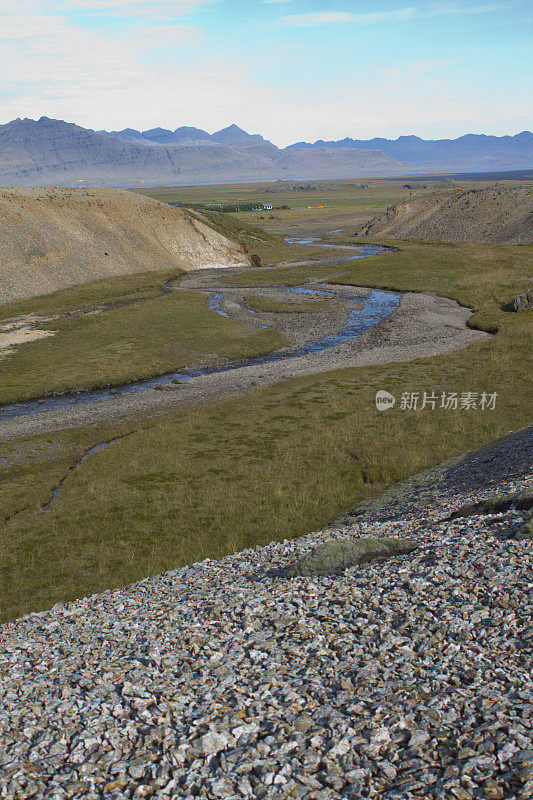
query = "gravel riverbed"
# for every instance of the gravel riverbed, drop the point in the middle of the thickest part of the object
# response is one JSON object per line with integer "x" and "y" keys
{"x": 423, "y": 325}
{"x": 408, "y": 678}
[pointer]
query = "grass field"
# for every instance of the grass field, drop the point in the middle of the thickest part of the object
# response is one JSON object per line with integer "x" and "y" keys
{"x": 122, "y": 344}
{"x": 342, "y": 203}
{"x": 334, "y": 204}
{"x": 482, "y": 277}
{"x": 138, "y": 332}
{"x": 275, "y": 464}
{"x": 120, "y": 289}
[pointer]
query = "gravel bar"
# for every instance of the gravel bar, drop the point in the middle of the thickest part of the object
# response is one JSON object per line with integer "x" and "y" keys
{"x": 408, "y": 678}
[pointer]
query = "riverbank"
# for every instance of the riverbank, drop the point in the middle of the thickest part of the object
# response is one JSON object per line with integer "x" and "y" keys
{"x": 204, "y": 477}
{"x": 423, "y": 325}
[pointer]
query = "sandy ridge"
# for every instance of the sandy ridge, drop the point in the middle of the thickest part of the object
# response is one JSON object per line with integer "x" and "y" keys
{"x": 493, "y": 214}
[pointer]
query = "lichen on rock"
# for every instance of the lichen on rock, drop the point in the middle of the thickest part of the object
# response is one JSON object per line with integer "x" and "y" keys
{"x": 337, "y": 555}
{"x": 523, "y": 501}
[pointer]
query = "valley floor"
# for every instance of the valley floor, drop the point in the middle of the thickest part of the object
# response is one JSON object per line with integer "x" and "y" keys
{"x": 423, "y": 325}
{"x": 224, "y": 679}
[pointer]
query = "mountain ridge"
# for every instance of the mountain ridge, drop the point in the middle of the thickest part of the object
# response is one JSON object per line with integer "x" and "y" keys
{"x": 37, "y": 153}
{"x": 472, "y": 149}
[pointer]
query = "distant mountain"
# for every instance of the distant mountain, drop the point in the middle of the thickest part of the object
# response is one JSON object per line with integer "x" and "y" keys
{"x": 183, "y": 135}
{"x": 127, "y": 135}
{"x": 235, "y": 134}
{"x": 469, "y": 153}
{"x": 49, "y": 152}
{"x": 188, "y": 134}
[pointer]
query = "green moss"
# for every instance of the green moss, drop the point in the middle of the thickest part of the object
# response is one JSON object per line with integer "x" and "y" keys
{"x": 337, "y": 555}
{"x": 496, "y": 505}
{"x": 525, "y": 531}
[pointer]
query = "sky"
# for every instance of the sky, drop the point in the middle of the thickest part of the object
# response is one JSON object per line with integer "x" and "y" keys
{"x": 291, "y": 70}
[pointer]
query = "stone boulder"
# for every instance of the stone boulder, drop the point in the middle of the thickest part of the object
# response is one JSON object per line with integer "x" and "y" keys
{"x": 524, "y": 301}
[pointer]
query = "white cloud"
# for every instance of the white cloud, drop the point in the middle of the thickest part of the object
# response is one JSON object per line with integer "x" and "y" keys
{"x": 28, "y": 26}
{"x": 83, "y": 80}
{"x": 325, "y": 17}
{"x": 431, "y": 10}
{"x": 154, "y": 10}
{"x": 317, "y": 18}
{"x": 134, "y": 8}
{"x": 60, "y": 60}
{"x": 420, "y": 67}
{"x": 59, "y": 69}
{"x": 455, "y": 9}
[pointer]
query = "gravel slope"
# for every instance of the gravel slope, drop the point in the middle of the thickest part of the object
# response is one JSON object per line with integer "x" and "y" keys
{"x": 494, "y": 214}
{"x": 405, "y": 679}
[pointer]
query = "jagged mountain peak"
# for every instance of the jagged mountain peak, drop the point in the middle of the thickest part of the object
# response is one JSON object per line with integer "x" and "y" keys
{"x": 235, "y": 134}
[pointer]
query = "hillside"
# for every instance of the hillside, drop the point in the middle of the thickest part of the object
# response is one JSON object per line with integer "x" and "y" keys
{"x": 51, "y": 239}
{"x": 496, "y": 214}
{"x": 185, "y": 134}
{"x": 466, "y": 153}
{"x": 51, "y": 152}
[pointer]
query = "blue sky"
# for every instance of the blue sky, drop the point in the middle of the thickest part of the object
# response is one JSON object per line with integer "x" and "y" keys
{"x": 289, "y": 69}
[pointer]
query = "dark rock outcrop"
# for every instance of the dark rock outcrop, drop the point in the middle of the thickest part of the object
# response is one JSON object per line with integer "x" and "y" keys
{"x": 522, "y": 501}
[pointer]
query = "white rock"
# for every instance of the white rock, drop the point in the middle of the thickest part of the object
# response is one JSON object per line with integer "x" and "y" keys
{"x": 212, "y": 743}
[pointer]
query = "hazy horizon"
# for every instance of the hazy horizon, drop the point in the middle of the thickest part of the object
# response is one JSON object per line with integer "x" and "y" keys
{"x": 290, "y": 69}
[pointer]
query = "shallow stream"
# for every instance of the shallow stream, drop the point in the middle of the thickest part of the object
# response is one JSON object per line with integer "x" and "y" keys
{"x": 376, "y": 306}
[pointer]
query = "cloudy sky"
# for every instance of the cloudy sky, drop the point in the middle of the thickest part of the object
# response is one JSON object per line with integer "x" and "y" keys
{"x": 289, "y": 69}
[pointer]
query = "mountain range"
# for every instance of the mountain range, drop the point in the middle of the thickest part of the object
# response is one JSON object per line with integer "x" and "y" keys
{"x": 50, "y": 152}
{"x": 186, "y": 135}
{"x": 473, "y": 152}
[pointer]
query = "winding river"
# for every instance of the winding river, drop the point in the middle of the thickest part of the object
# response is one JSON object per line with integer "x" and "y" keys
{"x": 375, "y": 306}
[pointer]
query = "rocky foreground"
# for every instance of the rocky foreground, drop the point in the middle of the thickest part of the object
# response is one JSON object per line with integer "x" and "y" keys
{"x": 405, "y": 678}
